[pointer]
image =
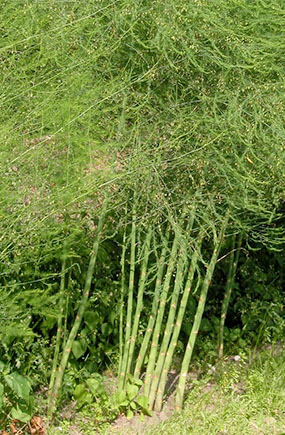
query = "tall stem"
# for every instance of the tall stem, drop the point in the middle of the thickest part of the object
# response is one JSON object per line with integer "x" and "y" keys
{"x": 59, "y": 330}
{"x": 80, "y": 312}
{"x": 163, "y": 299}
{"x": 160, "y": 314}
{"x": 168, "y": 328}
{"x": 182, "y": 261}
{"x": 124, "y": 247}
{"x": 197, "y": 320}
{"x": 228, "y": 291}
{"x": 139, "y": 306}
{"x": 152, "y": 317}
{"x": 122, "y": 374}
{"x": 176, "y": 332}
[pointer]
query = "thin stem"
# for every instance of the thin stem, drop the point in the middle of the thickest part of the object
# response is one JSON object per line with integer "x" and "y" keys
{"x": 122, "y": 374}
{"x": 59, "y": 328}
{"x": 139, "y": 306}
{"x": 160, "y": 314}
{"x": 179, "y": 278}
{"x": 122, "y": 298}
{"x": 152, "y": 317}
{"x": 177, "y": 328}
{"x": 198, "y": 317}
{"x": 228, "y": 291}
{"x": 168, "y": 328}
{"x": 80, "y": 312}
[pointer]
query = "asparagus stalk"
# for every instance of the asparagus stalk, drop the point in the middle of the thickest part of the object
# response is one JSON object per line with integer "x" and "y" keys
{"x": 197, "y": 320}
{"x": 139, "y": 306}
{"x": 80, "y": 313}
{"x": 122, "y": 374}
{"x": 152, "y": 317}
{"x": 171, "y": 315}
{"x": 168, "y": 329}
{"x": 176, "y": 332}
{"x": 163, "y": 299}
{"x": 59, "y": 329}
{"x": 234, "y": 257}
{"x": 160, "y": 314}
{"x": 124, "y": 247}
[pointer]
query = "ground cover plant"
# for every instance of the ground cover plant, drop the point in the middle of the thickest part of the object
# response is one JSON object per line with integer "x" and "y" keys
{"x": 239, "y": 402}
{"x": 142, "y": 192}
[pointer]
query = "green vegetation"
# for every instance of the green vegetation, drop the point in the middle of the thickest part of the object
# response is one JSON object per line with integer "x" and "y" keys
{"x": 234, "y": 401}
{"x": 142, "y": 196}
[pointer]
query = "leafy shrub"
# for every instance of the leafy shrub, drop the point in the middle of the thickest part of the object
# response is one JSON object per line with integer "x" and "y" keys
{"x": 16, "y": 401}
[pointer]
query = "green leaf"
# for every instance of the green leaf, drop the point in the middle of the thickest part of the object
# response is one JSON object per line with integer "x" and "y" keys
{"x": 134, "y": 380}
{"x": 124, "y": 403}
{"x": 133, "y": 405}
{"x": 1, "y": 395}
{"x": 17, "y": 414}
{"x": 130, "y": 413}
{"x": 132, "y": 391}
{"x": 142, "y": 401}
{"x": 79, "y": 391}
{"x": 112, "y": 317}
{"x": 94, "y": 386}
{"x": 88, "y": 398}
{"x": 19, "y": 384}
{"x": 77, "y": 349}
{"x": 147, "y": 411}
{"x": 206, "y": 326}
{"x": 92, "y": 318}
{"x": 106, "y": 329}
{"x": 2, "y": 365}
{"x": 120, "y": 397}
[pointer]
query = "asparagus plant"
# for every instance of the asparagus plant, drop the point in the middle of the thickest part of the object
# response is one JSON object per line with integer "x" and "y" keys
{"x": 158, "y": 324}
{"x": 234, "y": 257}
{"x": 168, "y": 328}
{"x": 121, "y": 345}
{"x": 152, "y": 317}
{"x": 59, "y": 330}
{"x": 122, "y": 374}
{"x": 177, "y": 327}
{"x": 181, "y": 264}
{"x": 198, "y": 316}
{"x": 78, "y": 319}
{"x": 139, "y": 303}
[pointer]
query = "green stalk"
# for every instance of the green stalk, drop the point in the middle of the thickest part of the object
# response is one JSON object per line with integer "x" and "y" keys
{"x": 197, "y": 320}
{"x": 152, "y": 317}
{"x": 228, "y": 291}
{"x": 160, "y": 314}
{"x": 171, "y": 315}
{"x": 168, "y": 329}
{"x": 122, "y": 299}
{"x": 59, "y": 330}
{"x": 122, "y": 374}
{"x": 64, "y": 332}
{"x": 80, "y": 313}
{"x": 139, "y": 306}
{"x": 176, "y": 332}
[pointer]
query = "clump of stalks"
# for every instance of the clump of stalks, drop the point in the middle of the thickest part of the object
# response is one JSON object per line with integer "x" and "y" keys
{"x": 179, "y": 260}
